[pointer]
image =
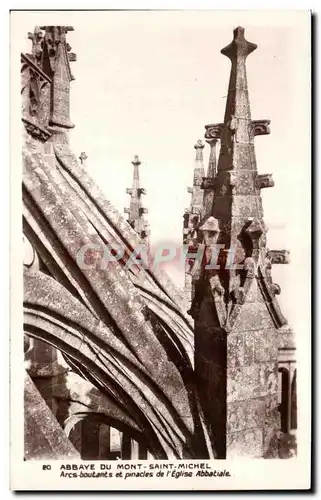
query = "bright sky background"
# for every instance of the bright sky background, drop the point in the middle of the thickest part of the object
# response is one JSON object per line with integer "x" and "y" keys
{"x": 147, "y": 83}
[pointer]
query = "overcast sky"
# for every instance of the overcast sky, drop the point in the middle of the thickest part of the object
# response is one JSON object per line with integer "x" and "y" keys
{"x": 147, "y": 83}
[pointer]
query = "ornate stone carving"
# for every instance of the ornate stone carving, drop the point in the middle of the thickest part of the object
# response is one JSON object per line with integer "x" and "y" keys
{"x": 259, "y": 127}
{"x": 136, "y": 211}
{"x": 264, "y": 181}
{"x": 72, "y": 57}
{"x": 255, "y": 228}
{"x": 83, "y": 157}
{"x": 214, "y": 131}
{"x": 35, "y": 130}
{"x": 46, "y": 80}
{"x": 199, "y": 145}
{"x": 37, "y": 45}
{"x": 53, "y": 37}
{"x": 279, "y": 256}
{"x": 35, "y": 92}
{"x": 269, "y": 296}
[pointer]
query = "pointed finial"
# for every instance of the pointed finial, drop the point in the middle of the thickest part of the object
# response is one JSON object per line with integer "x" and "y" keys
{"x": 199, "y": 146}
{"x": 136, "y": 160}
{"x": 136, "y": 211}
{"x": 239, "y": 47}
{"x": 83, "y": 157}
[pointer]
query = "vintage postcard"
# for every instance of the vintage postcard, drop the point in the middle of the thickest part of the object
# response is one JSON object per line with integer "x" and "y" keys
{"x": 160, "y": 250}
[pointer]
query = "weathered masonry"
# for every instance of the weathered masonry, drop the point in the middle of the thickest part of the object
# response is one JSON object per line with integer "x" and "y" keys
{"x": 115, "y": 366}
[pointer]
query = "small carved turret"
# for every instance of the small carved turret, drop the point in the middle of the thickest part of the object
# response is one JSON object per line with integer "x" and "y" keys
{"x": 192, "y": 217}
{"x": 278, "y": 256}
{"x": 83, "y": 157}
{"x": 46, "y": 77}
{"x": 234, "y": 304}
{"x": 212, "y": 136}
{"x": 136, "y": 211}
{"x": 264, "y": 181}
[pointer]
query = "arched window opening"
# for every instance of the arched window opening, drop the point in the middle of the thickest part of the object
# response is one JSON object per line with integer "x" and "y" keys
{"x": 284, "y": 406}
{"x": 98, "y": 441}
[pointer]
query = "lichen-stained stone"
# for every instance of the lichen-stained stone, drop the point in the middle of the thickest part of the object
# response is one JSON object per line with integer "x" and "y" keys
{"x": 265, "y": 345}
{"x": 245, "y": 444}
{"x": 271, "y": 431}
{"x": 122, "y": 370}
{"x": 268, "y": 378}
{"x": 240, "y": 349}
{"x": 63, "y": 216}
{"x": 88, "y": 191}
{"x": 243, "y": 383}
{"x": 256, "y": 380}
{"x": 244, "y": 183}
{"x": 244, "y": 303}
{"x": 253, "y": 317}
{"x": 248, "y": 355}
{"x": 246, "y": 414}
{"x": 270, "y": 381}
{"x": 286, "y": 338}
{"x": 235, "y": 350}
{"x": 125, "y": 330}
{"x": 44, "y": 438}
{"x": 245, "y": 206}
{"x": 245, "y": 152}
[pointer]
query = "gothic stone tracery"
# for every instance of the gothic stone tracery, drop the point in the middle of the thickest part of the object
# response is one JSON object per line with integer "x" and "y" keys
{"x": 115, "y": 366}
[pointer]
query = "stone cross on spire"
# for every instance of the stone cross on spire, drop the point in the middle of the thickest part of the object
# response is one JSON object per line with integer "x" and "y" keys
{"x": 136, "y": 211}
{"x": 238, "y": 203}
{"x": 234, "y": 304}
{"x": 83, "y": 157}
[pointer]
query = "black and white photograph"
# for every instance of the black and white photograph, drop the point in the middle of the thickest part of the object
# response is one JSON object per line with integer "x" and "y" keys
{"x": 161, "y": 246}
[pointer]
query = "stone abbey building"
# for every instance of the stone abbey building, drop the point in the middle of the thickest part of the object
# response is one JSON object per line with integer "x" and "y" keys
{"x": 120, "y": 363}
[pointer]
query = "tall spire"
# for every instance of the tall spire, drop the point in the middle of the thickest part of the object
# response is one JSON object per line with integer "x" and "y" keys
{"x": 238, "y": 203}
{"x": 198, "y": 174}
{"x": 193, "y": 213}
{"x": 234, "y": 304}
{"x": 192, "y": 217}
{"x": 136, "y": 211}
{"x": 212, "y": 137}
